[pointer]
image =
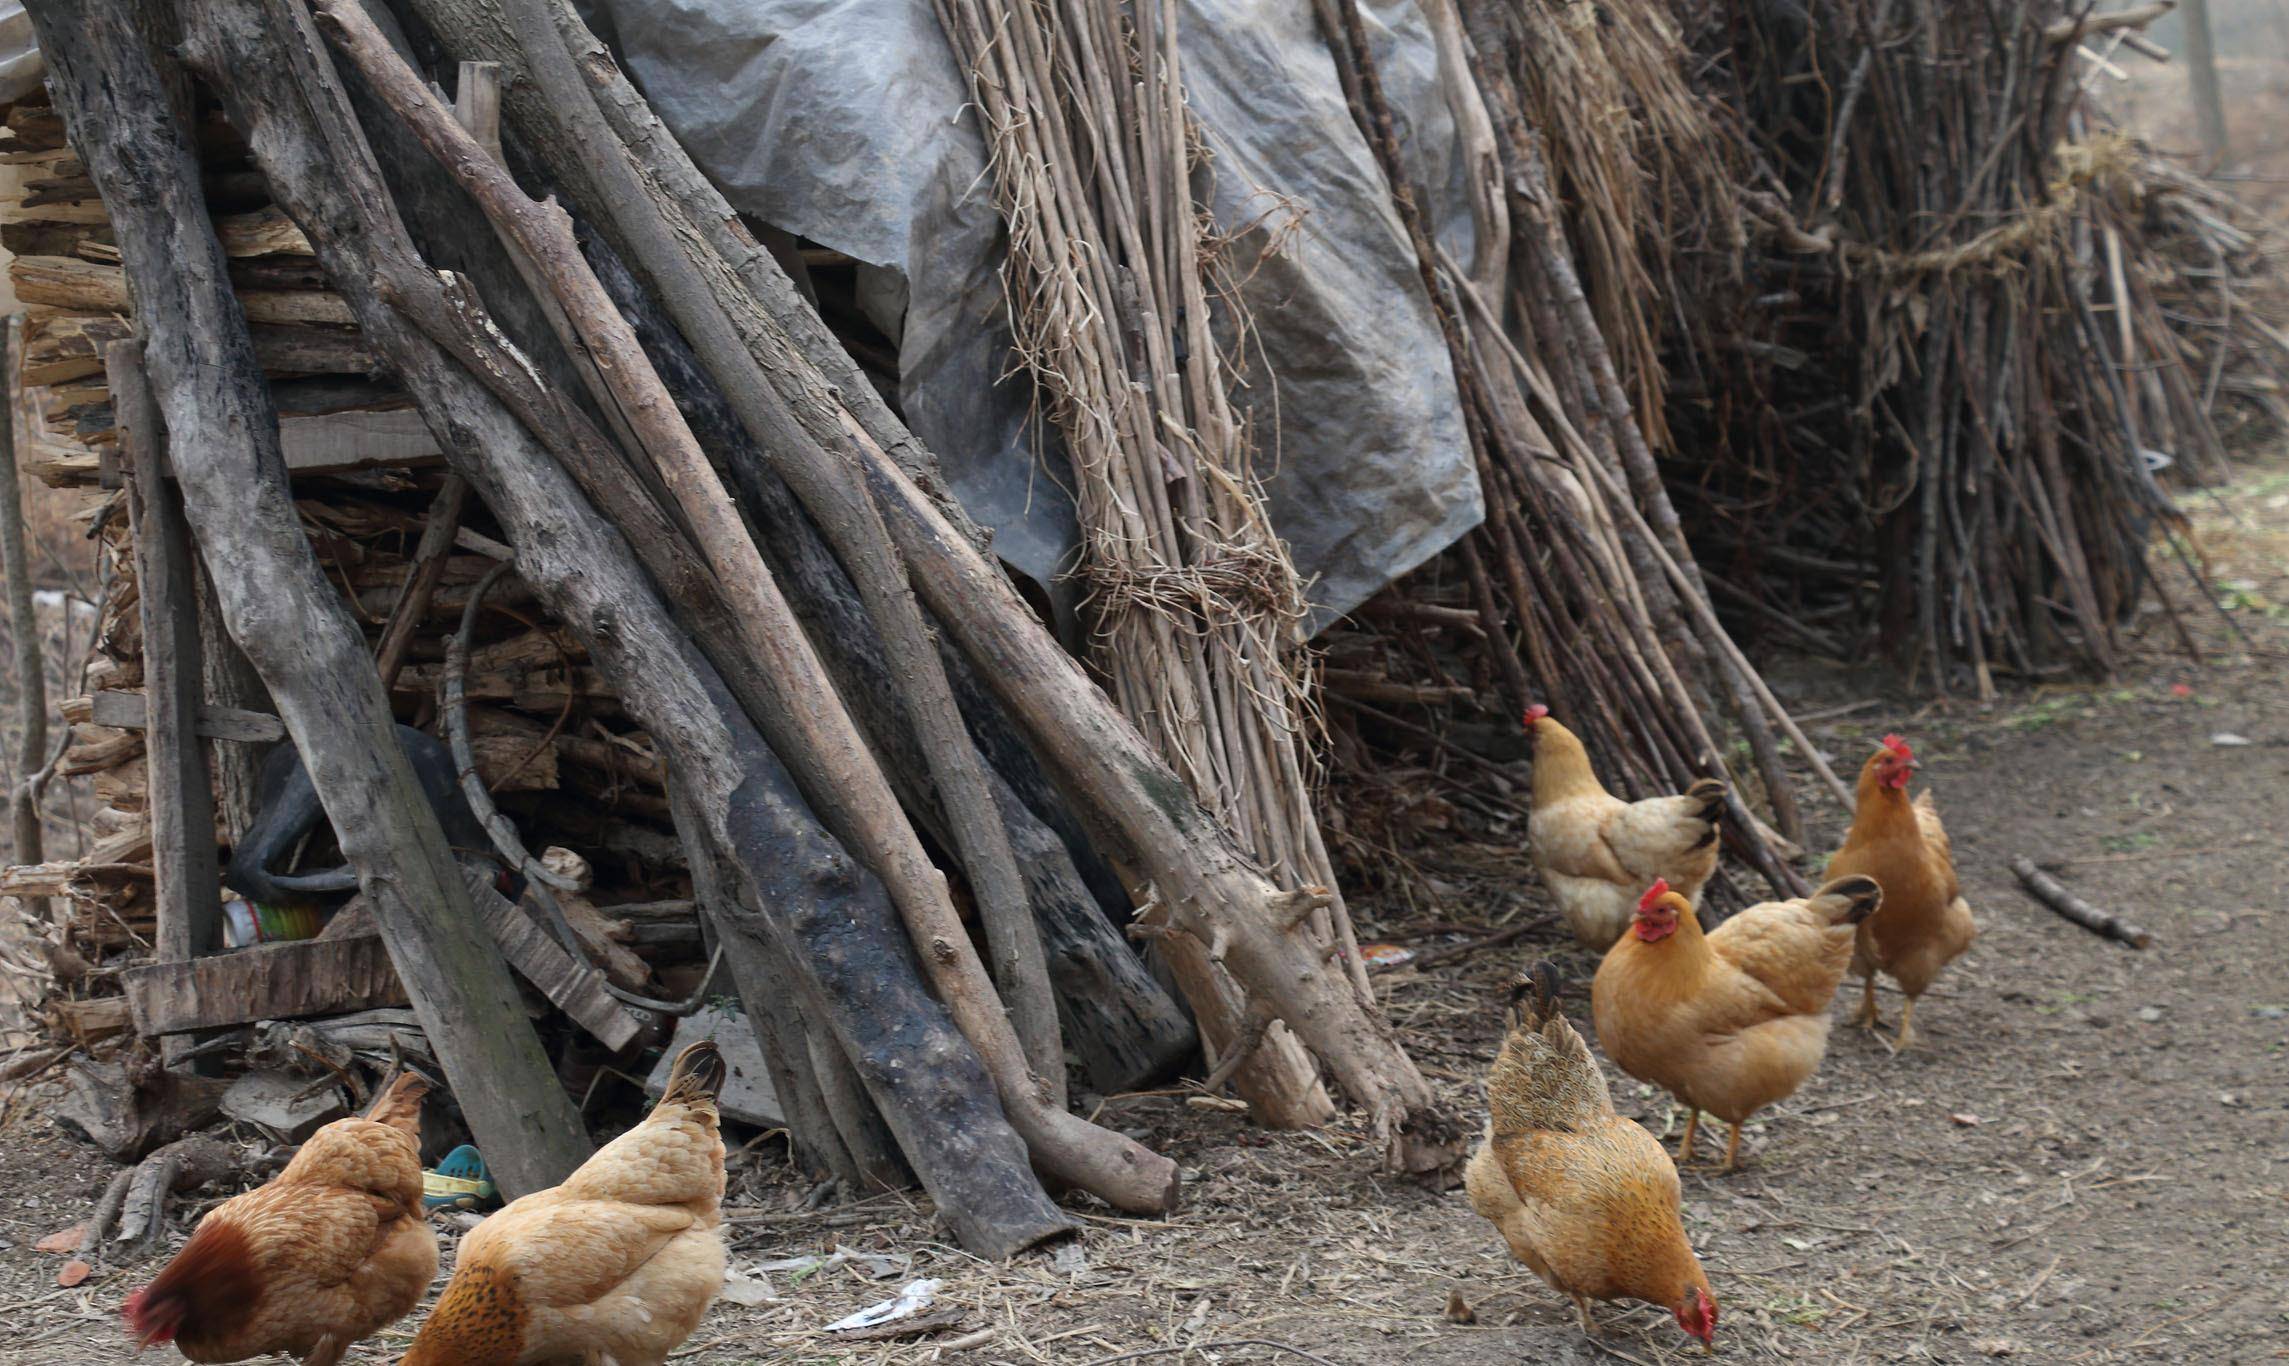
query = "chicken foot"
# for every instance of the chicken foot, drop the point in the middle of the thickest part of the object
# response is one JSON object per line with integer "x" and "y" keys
{"x": 1589, "y": 1324}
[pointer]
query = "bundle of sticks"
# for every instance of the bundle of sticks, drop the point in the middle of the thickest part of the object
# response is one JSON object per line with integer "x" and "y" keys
{"x": 1958, "y": 380}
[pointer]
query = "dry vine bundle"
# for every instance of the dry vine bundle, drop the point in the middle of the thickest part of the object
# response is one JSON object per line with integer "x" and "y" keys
{"x": 1581, "y": 591}
{"x": 1194, "y": 605}
{"x": 1957, "y": 382}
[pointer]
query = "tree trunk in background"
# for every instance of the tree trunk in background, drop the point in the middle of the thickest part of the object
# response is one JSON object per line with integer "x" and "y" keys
{"x": 2201, "y": 76}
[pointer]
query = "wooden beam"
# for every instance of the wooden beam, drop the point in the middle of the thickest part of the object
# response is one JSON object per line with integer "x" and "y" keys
{"x": 268, "y": 982}
{"x": 129, "y": 710}
{"x": 181, "y": 793}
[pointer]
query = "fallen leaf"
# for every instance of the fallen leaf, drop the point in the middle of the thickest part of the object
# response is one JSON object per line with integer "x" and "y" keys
{"x": 1458, "y": 1309}
{"x": 73, "y": 1272}
{"x": 2226, "y": 739}
{"x": 63, "y": 1240}
{"x": 1966, "y": 1119}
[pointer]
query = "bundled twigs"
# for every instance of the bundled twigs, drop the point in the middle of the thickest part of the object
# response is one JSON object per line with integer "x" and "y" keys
{"x": 1193, "y": 602}
{"x": 1952, "y": 376}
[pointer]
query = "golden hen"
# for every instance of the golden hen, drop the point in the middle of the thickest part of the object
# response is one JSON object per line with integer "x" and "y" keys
{"x": 1586, "y": 1199}
{"x": 1925, "y": 923}
{"x": 329, "y": 1250}
{"x": 618, "y": 1264}
{"x": 1596, "y": 852}
{"x": 1735, "y": 1019}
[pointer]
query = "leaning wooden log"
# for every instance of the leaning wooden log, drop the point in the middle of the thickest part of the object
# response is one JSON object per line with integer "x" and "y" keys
{"x": 844, "y": 778}
{"x": 1118, "y": 1020}
{"x": 1137, "y": 807}
{"x": 834, "y": 1127}
{"x": 277, "y": 81}
{"x": 277, "y": 603}
{"x": 2052, "y": 893}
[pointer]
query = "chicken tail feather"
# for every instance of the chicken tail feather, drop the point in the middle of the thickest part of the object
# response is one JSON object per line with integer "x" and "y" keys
{"x": 1540, "y": 981}
{"x": 1861, "y": 896}
{"x": 697, "y": 1075}
{"x": 399, "y": 1105}
{"x": 1710, "y": 792}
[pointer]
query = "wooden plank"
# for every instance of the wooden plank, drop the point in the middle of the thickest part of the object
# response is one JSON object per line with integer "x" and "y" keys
{"x": 181, "y": 792}
{"x": 128, "y": 711}
{"x": 270, "y": 982}
{"x": 356, "y": 440}
{"x": 572, "y": 987}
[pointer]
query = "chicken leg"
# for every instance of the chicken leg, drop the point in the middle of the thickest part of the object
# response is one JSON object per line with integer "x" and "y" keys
{"x": 1866, "y": 1019}
{"x": 1685, "y": 1144}
{"x": 1582, "y": 1307}
{"x": 1907, "y": 1026}
{"x": 1733, "y": 1149}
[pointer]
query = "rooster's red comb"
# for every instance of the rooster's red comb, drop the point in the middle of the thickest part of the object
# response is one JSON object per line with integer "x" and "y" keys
{"x": 1898, "y": 746}
{"x": 1658, "y": 890}
{"x": 1535, "y": 713}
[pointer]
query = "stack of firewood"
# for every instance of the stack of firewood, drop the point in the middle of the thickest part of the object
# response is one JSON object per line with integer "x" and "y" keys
{"x": 66, "y": 271}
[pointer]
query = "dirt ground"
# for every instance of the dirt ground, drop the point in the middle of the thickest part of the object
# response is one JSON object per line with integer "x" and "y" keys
{"x": 2085, "y": 1160}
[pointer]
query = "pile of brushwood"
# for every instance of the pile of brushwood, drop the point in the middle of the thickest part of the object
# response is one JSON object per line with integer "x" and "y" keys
{"x": 1911, "y": 340}
{"x": 1981, "y": 334}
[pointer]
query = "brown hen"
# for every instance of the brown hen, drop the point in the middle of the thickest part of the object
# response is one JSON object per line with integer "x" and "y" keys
{"x": 331, "y": 1249}
{"x": 1586, "y": 1199}
{"x": 617, "y": 1264}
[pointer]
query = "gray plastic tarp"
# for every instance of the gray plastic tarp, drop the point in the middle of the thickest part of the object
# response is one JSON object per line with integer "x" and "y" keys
{"x": 844, "y": 121}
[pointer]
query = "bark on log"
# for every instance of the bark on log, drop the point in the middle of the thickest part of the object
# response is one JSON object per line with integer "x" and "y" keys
{"x": 1140, "y": 812}
{"x": 1125, "y": 1028}
{"x": 772, "y": 990}
{"x": 278, "y": 604}
{"x": 277, "y": 83}
{"x": 844, "y": 778}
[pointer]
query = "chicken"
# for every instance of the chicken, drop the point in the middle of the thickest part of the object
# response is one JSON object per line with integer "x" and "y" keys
{"x": 1597, "y": 852}
{"x": 1586, "y": 1199}
{"x": 333, "y": 1248}
{"x": 617, "y": 1265}
{"x": 1925, "y": 923}
{"x": 1732, "y": 1020}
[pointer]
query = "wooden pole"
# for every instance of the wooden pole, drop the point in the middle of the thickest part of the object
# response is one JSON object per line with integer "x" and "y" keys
{"x": 24, "y": 636}
{"x": 841, "y": 774}
{"x": 181, "y": 791}
{"x": 277, "y": 602}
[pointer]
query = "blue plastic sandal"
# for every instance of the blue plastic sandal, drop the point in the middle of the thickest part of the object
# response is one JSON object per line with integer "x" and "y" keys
{"x": 460, "y": 1181}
